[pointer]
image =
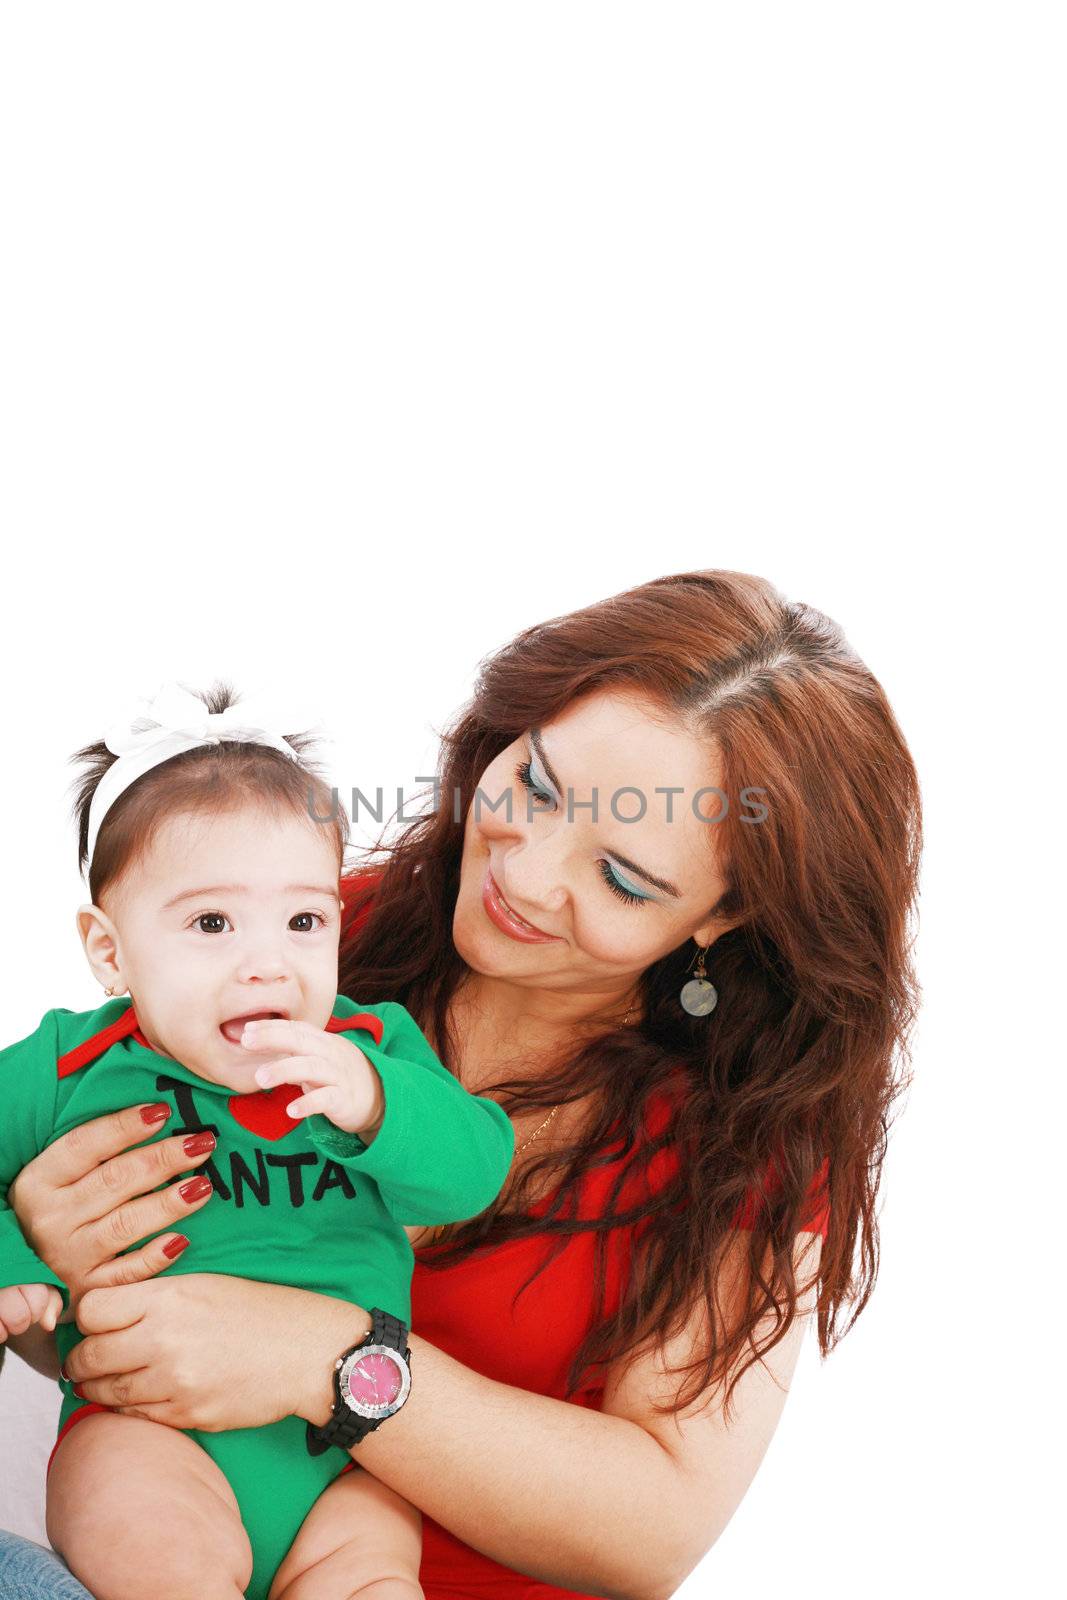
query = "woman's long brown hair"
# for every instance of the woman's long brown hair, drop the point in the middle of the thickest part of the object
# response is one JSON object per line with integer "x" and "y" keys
{"x": 807, "y": 1050}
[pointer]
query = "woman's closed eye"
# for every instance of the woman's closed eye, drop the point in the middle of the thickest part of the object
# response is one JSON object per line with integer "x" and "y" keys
{"x": 524, "y": 773}
{"x": 628, "y": 892}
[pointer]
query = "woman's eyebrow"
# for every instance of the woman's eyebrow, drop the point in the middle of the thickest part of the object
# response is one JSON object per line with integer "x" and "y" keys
{"x": 538, "y": 744}
{"x": 624, "y": 861}
{"x": 643, "y": 872}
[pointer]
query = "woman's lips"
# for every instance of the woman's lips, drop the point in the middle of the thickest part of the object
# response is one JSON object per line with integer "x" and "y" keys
{"x": 506, "y": 918}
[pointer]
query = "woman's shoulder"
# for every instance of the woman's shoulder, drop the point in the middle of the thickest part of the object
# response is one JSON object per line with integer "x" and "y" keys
{"x": 660, "y": 1109}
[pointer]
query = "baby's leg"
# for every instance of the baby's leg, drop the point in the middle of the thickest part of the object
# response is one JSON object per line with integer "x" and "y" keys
{"x": 359, "y": 1539}
{"x": 137, "y": 1509}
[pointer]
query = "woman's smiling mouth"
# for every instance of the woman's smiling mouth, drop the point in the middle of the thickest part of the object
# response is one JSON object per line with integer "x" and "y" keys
{"x": 506, "y": 918}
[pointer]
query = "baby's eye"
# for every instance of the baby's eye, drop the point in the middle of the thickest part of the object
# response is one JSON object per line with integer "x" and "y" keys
{"x": 315, "y": 918}
{"x": 215, "y": 918}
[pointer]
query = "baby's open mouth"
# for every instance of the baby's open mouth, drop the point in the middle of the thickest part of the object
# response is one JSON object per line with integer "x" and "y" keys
{"x": 235, "y": 1026}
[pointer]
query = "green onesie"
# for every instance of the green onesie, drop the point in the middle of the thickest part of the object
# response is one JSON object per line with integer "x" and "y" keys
{"x": 296, "y": 1202}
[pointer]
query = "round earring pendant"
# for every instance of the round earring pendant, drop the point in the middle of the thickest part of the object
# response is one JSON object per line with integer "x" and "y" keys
{"x": 698, "y": 997}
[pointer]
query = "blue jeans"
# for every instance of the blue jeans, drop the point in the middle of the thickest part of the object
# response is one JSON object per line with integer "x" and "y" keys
{"x": 30, "y": 1572}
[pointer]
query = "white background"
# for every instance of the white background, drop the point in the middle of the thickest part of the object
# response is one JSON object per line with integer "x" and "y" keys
{"x": 340, "y": 342}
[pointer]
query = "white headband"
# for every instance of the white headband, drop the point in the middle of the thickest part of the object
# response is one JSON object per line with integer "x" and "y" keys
{"x": 173, "y": 721}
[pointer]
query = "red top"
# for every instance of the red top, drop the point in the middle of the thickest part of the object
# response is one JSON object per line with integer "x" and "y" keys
{"x": 466, "y": 1310}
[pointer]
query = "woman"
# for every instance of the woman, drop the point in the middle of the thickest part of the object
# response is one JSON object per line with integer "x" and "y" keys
{"x": 693, "y": 777}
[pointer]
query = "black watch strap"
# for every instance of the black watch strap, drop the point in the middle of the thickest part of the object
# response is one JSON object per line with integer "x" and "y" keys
{"x": 345, "y": 1427}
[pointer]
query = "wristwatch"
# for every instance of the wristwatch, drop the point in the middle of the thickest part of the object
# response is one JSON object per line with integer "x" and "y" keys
{"x": 370, "y": 1382}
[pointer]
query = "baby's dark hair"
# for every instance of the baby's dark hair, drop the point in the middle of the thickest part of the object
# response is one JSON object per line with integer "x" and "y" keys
{"x": 211, "y": 779}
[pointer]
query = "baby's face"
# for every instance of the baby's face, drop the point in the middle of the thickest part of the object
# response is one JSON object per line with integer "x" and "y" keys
{"x": 228, "y": 917}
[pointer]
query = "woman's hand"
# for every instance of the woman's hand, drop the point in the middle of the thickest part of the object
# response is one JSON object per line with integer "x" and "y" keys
{"x": 212, "y": 1352}
{"x": 89, "y": 1196}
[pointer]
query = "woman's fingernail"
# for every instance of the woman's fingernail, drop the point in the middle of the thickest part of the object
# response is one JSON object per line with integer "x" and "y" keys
{"x": 151, "y": 1115}
{"x": 80, "y": 1392}
{"x": 64, "y": 1374}
{"x": 195, "y": 1189}
{"x": 174, "y": 1247}
{"x": 198, "y": 1144}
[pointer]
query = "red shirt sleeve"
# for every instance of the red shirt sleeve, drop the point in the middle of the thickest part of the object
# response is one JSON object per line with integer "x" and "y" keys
{"x": 816, "y": 1217}
{"x": 664, "y": 1164}
{"x": 357, "y": 892}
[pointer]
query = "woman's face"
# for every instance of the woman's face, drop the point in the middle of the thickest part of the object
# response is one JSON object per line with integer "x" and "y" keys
{"x": 556, "y": 894}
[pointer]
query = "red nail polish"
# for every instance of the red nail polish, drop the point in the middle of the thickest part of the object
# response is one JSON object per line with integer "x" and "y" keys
{"x": 195, "y": 1189}
{"x": 80, "y": 1392}
{"x": 198, "y": 1144}
{"x": 153, "y": 1115}
{"x": 174, "y": 1247}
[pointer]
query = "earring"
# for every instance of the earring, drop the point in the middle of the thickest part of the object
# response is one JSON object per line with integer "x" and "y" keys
{"x": 110, "y": 991}
{"x": 699, "y": 996}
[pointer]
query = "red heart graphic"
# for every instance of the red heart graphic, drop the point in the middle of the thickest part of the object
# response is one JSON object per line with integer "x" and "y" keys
{"x": 266, "y": 1112}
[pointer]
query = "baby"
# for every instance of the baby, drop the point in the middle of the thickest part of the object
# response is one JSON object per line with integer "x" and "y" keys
{"x": 214, "y": 856}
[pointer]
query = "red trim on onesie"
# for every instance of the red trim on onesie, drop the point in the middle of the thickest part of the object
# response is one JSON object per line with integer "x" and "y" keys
{"x": 91, "y": 1049}
{"x": 75, "y": 1416}
{"x": 362, "y": 1019}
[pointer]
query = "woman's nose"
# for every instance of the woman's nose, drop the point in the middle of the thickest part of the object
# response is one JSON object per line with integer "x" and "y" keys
{"x": 535, "y": 875}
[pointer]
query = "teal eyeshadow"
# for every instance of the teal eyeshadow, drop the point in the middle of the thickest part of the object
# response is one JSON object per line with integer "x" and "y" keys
{"x": 539, "y": 779}
{"x": 624, "y": 883}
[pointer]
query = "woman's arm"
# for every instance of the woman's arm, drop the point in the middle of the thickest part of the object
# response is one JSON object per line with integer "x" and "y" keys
{"x": 535, "y": 1483}
{"x": 716, "y": 1461}
{"x": 622, "y": 1502}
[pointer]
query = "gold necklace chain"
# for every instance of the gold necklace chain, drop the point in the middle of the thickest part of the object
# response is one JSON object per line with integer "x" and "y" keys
{"x": 538, "y": 1131}
{"x": 434, "y": 1234}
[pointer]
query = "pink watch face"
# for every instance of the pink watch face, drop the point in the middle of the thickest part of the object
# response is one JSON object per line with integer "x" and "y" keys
{"x": 374, "y": 1380}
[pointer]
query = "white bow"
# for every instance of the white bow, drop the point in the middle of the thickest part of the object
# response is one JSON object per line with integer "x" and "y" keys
{"x": 173, "y": 710}
{"x": 174, "y": 720}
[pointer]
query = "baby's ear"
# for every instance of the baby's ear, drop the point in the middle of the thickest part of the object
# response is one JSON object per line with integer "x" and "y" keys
{"x": 100, "y": 942}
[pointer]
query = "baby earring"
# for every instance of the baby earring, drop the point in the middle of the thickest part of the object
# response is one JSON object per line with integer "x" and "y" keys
{"x": 699, "y": 996}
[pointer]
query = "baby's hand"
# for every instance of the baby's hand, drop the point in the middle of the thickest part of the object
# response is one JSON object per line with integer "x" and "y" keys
{"x": 335, "y": 1075}
{"x": 26, "y": 1304}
